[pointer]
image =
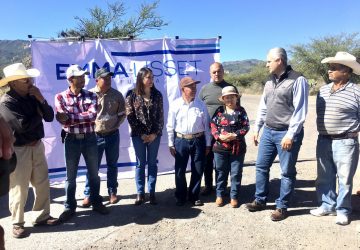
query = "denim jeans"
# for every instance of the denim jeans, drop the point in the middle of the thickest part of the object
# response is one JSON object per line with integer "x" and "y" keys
{"x": 226, "y": 162}
{"x": 109, "y": 144}
{"x": 209, "y": 167}
{"x": 184, "y": 148}
{"x": 146, "y": 153}
{"x": 73, "y": 150}
{"x": 336, "y": 157}
{"x": 269, "y": 148}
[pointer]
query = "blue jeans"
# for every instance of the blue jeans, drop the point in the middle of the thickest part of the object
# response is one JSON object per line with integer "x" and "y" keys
{"x": 146, "y": 153}
{"x": 269, "y": 148}
{"x": 336, "y": 157}
{"x": 73, "y": 150}
{"x": 226, "y": 162}
{"x": 194, "y": 148}
{"x": 109, "y": 144}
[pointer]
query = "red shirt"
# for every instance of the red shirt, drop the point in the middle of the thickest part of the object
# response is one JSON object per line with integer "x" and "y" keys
{"x": 81, "y": 110}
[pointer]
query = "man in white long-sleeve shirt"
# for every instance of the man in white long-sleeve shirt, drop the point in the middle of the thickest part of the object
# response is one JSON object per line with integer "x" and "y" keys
{"x": 189, "y": 136}
{"x": 282, "y": 111}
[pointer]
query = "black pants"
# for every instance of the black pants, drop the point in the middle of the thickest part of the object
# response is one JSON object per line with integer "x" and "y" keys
{"x": 209, "y": 167}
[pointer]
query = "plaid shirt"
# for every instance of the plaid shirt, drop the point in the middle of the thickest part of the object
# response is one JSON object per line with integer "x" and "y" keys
{"x": 81, "y": 110}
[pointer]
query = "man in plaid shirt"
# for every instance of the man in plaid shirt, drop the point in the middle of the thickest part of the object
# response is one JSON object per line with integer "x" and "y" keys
{"x": 76, "y": 111}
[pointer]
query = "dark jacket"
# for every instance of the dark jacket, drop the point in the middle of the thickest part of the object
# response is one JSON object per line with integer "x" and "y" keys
{"x": 29, "y": 112}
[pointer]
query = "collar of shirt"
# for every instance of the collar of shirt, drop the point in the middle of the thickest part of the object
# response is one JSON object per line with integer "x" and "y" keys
{"x": 70, "y": 93}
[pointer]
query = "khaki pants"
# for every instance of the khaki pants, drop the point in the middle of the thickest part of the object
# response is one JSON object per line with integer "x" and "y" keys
{"x": 31, "y": 168}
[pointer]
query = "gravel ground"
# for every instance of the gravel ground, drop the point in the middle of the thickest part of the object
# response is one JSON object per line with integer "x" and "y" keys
{"x": 166, "y": 226}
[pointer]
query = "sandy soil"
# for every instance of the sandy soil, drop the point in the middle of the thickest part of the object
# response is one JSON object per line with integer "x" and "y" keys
{"x": 166, "y": 226}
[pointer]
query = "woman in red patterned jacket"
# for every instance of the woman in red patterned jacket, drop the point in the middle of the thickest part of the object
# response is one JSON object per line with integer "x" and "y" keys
{"x": 229, "y": 126}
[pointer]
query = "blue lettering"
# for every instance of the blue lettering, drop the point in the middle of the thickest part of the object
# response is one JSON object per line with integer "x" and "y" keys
{"x": 59, "y": 71}
{"x": 155, "y": 68}
{"x": 168, "y": 68}
{"x": 180, "y": 68}
{"x": 86, "y": 67}
{"x": 120, "y": 70}
{"x": 195, "y": 66}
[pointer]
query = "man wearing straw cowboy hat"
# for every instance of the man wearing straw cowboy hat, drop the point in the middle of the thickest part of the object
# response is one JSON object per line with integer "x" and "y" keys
{"x": 27, "y": 104}
{"x": 338, "y": 124}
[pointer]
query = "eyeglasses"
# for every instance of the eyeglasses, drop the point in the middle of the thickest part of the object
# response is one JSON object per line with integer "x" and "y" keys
{"x": 25, "y": 80}
{"x": 336, "y": 67}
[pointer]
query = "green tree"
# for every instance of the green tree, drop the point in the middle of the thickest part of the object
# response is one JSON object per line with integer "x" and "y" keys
{"x": 306, "y": 58}
{"x": 110, "y": 23}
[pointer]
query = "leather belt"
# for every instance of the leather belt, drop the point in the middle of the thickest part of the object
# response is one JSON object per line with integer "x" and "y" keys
{"x": 79, "y": 136}
{"x": 342, "y": 136}
{"x": 103, "y": 134}
{"x": 189, "y": 137}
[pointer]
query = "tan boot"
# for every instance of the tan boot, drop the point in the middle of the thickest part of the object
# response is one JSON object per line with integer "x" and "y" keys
{"x": 234, "y": 203}
{"x": 219, "y": 201}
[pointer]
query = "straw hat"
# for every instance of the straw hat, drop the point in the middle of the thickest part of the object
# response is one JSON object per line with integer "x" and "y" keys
{"x": 346, "y": 59}
{"x": 17, "y": 71}
{"x": 228, "y": 90}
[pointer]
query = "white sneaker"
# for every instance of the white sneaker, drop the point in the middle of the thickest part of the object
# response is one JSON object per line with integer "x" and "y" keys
{"x": 342, "y": 219}
{"x": 320, "y": 211}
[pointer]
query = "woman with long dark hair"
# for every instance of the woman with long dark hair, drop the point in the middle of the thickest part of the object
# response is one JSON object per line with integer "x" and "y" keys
{"x": 144, "y": 110}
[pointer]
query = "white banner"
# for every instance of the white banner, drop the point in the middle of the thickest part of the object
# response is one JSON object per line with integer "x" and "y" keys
{"x": 169, "y": 59}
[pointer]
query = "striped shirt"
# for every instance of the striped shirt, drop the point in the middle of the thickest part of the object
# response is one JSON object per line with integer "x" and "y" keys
{"x": 81, "y": 110}
{"x": 338, "y": 112}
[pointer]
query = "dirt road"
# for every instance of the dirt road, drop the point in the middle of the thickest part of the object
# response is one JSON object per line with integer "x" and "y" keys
{"x": 166, "y": 226}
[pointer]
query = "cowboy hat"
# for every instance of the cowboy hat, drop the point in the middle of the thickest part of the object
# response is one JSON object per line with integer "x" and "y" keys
{"x": 17, "y": 71}
{"x": 346, "y": 59}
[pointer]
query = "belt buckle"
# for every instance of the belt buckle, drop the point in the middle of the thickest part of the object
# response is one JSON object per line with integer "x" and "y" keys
{"x": 80, "y": 136}
{"x": 188, "y": 137}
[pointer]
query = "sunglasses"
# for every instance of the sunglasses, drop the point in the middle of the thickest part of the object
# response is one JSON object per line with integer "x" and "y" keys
{"x": 336, "y": 67}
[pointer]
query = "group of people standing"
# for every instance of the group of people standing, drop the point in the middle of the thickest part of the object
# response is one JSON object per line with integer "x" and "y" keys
{"x": 209, "y": 128}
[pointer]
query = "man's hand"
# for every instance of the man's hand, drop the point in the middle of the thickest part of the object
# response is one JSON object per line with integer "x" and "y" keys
{"x": 256, "y": 138}
{"x": 61, "y": 117}
{"x": 35, "y": 92}
{"x": 172, "y": 151}
{"x": 6, "y": 140}
{"x": 286, "y": 143}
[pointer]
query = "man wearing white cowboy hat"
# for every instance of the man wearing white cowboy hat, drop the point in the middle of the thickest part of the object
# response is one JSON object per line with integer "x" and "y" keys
{"x": 338, "y": 124}
{"x": 28, "y": 105}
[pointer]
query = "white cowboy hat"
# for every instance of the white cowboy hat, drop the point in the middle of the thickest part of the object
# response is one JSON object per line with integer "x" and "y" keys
{"x": 17, "y": 71}
{"x": 346, "y": 59}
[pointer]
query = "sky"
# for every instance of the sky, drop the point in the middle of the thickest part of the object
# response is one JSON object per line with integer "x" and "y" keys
{"x": 248, "y": 28}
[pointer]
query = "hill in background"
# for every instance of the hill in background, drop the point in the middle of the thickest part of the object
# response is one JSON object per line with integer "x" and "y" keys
{"x": 12, "y": 51}
{"x": 240, "y": 67}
